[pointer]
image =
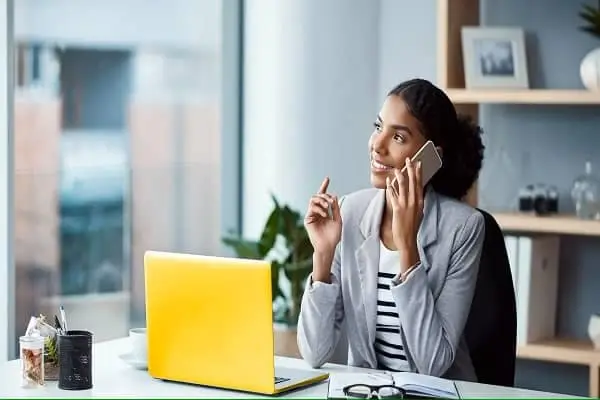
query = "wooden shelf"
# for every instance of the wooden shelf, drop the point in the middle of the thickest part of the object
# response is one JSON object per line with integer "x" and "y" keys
{"x": 518, "y": 96}
{"x": 558, "y": 224}
{"x": 452, "y": 15}
{"x": 561, "y": 350}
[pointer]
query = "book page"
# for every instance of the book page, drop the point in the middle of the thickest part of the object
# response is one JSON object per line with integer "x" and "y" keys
{"x": 426, "y": 384}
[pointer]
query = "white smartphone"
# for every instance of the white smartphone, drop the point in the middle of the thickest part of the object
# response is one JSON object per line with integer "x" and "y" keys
{"x": 431, "y": 162}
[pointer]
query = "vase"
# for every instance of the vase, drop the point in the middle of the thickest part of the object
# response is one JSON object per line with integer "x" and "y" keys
{"x": 589, "y": 70}
{"x": 285, "y": 337}
{"x": 51, "y": 370}
{"x": 594, "y": 330}
{"x": 585, "y": 193}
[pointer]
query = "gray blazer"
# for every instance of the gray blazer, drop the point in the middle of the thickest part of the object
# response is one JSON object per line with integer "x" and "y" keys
{"x": 433, "y": 303}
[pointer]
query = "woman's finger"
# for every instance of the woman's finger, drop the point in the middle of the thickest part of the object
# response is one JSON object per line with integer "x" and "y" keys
{"x": 325, "y": 196}
{"x": 316, "y": 199}
{"x": 393, "y": 198}
{"x": 329, "y": 199}
{"x": 324, "y": 185}
{"x": 419, "y": 185}
{"x": 402, "y": 187}
{"x": 390, "y": 183}
{"x": 412, "y": 192}
{"x": 391, "y": 192}
{"x": 315, "y": 211}
{"x": 335, "y": 209}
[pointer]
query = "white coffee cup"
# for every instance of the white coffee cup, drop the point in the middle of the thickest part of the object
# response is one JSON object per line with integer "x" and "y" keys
{"x": 139, "y": 344}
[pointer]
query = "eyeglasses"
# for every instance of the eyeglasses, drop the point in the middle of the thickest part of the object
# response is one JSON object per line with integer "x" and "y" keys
{"x": 369, "y": 391}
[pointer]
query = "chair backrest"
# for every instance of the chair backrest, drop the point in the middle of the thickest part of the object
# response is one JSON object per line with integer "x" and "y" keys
{"x": 491, "y": 328}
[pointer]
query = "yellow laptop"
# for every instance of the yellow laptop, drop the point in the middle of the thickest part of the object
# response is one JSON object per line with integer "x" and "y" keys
{"x": 210, "y": 322}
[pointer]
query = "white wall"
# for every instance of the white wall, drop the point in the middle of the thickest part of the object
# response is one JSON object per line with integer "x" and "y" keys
{"x": 310, "y": 97}
{"x": 6, "y": 286}
{"x": 407, "y": 41}
{"x": 115, "y": 23}
{"x": 316, "y": 73}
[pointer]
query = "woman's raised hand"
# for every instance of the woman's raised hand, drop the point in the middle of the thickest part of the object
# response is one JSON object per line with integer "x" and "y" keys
{"x": 323, "y": 220}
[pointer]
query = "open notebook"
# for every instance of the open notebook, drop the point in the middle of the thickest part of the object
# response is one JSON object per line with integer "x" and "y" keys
{"x": 415, "y": 385}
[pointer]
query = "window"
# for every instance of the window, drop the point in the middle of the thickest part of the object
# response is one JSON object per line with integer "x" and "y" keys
{"x": 121, "y": 132}
{"x": 6, "y": 282}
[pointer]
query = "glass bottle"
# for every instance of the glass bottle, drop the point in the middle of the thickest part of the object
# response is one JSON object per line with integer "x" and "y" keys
{"x": 526, "y": 199}
{"x": 586, "y": 194}
{"x": 553, "y": 199}
{"x": 32, "y": 361}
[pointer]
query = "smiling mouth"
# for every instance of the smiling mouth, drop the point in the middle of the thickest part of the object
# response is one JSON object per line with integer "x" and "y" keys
{"x": 380, "y": 167}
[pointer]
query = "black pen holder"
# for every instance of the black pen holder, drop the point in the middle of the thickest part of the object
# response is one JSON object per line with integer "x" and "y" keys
{"x": 75, "y": 352}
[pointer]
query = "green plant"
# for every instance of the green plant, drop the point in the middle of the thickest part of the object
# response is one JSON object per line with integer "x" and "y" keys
{"x": 51, "y": 350}
{"x": 285, "y": 243}
{"x": 50, "y": 340}
{"x": 591, "y": 16}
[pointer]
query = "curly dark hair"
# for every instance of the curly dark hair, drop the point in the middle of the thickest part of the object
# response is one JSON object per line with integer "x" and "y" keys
{"x": 458, "y": 135}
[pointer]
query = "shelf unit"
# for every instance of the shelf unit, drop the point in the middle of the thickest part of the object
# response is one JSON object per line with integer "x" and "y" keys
{"x": 556, "y": 224}
{"x": 561, "y": 350}
{"x": 532, "y": 96}
{"x": 566, "y": 351}
{"x": 450, "y": 77}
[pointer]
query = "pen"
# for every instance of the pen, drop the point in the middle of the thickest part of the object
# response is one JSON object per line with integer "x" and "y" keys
{"x": 64, "y": 319}
{"x": 57, "y": 324}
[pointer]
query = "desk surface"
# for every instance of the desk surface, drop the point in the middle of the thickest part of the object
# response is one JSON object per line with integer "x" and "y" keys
{"x": 114, "y": 378}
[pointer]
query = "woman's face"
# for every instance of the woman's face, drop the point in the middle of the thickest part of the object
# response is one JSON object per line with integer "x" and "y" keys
{"x": 397, "y": 135}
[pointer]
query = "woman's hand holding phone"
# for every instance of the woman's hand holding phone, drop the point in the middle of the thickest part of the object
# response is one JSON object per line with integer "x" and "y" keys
{"x": 324, "y": 230}
{"x": 406, "y": 197}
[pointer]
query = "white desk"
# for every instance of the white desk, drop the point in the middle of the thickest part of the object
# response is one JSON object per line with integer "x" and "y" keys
{"x": 114, "y": 378}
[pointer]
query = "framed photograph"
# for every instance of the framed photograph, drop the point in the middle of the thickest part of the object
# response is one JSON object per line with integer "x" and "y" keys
{"x": 494, "y": 58}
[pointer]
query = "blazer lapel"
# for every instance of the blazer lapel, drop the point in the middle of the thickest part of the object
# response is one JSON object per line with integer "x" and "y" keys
{"x": 367, "y": 257}
{"x": 428, "y": 230}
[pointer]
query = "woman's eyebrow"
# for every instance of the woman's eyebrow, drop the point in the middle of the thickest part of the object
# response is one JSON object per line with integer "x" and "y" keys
{"x": 396, "y": 127}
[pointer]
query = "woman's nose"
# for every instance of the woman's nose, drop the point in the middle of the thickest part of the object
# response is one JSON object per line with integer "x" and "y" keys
{"x": 379, "y": 143}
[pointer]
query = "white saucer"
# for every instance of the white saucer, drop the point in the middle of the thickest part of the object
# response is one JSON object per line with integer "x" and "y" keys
{"x": 135, "y": 363}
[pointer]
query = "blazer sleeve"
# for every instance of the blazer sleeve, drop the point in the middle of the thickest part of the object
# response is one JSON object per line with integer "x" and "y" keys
{"x": 433, "y": 328}
{"x": 321, "y": 317}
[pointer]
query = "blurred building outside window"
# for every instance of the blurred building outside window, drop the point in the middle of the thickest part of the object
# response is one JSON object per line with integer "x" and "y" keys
{"x": 117, "y": 150}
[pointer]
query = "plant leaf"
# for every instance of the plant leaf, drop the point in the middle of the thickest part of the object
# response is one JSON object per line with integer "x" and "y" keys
{"x": 304, "y": 248}
{"x": 592, "y": 31}
{"x": 288, "y": 223}
{"x": 291, "y": 220}
{"x": 304, "y": 266}
{"x": 276, "y": 290}
{"x": 270, "y": 231}
{"x": 592, "y": 19}
{"x": 586, "y": 15}
{"x": 244, "y": 248}
{"x": 592, "y": 16}
{"x": 586, "y": 9}
{"x": 275, "y": 200}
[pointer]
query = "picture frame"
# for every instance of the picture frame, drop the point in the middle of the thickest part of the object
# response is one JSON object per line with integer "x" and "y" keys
{"x": 494, "y": 57}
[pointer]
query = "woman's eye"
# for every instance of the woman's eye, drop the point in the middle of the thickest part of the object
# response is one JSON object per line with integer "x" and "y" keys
{"x": 377, "y": 126}
{"x": 399, "y": 138}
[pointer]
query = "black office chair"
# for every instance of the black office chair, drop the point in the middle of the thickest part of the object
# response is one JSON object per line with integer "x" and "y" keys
{"x": 491, "y": 328}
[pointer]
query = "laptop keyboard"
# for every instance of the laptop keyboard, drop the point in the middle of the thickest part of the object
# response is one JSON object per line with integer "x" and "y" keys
{"x": 279, "y": 380}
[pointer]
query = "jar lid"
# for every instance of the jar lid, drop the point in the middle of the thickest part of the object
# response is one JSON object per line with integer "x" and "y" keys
{"x": 31, "y": 339}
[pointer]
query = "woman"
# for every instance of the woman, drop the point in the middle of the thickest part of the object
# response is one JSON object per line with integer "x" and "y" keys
{"x": 397, "y": 264}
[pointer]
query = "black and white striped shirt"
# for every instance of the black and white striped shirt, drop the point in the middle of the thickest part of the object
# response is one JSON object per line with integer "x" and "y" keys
{"x": 388, "y": 343}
